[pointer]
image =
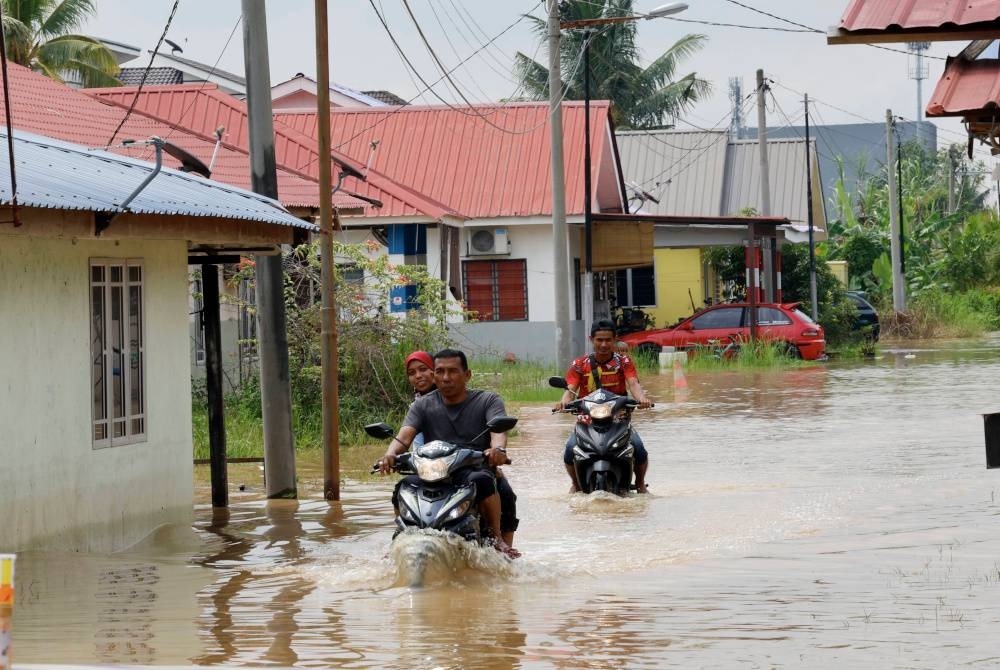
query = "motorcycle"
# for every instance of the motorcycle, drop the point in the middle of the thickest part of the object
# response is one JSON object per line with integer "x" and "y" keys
{"x": 603, "y": 456}
{"x": 434, "y": 510}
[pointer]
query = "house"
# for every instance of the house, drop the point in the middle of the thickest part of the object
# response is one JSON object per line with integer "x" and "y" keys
{"x": 300, "y": 93}
{"x": 466, "y": 191}
{"x": 96, "y": 400}
{"x": 705, "y": 174}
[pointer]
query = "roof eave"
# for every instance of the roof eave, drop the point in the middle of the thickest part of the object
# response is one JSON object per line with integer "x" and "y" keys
{"x": 895, "y": 34}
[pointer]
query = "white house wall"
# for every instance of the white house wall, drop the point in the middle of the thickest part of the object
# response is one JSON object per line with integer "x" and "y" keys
{"x": 56, "y": 490}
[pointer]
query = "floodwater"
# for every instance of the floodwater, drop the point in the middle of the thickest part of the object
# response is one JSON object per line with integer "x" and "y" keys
{"x": 837, "y": 514}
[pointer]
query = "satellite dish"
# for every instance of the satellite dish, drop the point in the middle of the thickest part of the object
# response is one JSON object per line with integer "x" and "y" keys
{"x": 189, "y": 162}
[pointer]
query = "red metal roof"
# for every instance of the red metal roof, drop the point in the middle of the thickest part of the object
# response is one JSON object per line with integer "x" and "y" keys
{"x": 967, "y": 88}
{"x": 483, "y": 161}
{"x": 203, "y": 108}
{"x": 46, "y": 107}
{"x": 931, "y": 19}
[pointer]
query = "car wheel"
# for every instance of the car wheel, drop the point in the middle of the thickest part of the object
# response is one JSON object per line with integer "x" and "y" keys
{"x": 791, "y": 350}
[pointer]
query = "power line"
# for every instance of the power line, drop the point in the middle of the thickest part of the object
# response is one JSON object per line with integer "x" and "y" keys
{"x": 145, "y": 73}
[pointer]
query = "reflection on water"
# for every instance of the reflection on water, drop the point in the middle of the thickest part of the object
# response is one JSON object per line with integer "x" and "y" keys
{"x": 830, "y": 514}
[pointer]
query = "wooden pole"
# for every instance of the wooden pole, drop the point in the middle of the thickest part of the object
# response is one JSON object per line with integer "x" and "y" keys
{"x": 213, "y": 384}
{"x": 331, "y": 415}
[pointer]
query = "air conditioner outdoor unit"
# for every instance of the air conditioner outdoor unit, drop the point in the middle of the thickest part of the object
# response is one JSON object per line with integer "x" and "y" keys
{"x": 488, "y": 241}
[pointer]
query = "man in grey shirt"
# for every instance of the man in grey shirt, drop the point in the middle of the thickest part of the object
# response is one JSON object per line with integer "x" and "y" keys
{"x": 454, "y": 413}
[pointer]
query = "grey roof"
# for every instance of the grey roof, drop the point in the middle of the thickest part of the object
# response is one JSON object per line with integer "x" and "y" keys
{"x": 786, "y": 175}
{"x": 683, "y": 170}
{"x": 703, "y": 173}
{"x": 158, "y": 76}
{"x": 388, "y": 97}
{"x": 59, "y": 175}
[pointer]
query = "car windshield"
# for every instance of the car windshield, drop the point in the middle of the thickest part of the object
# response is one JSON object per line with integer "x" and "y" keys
{"x": 802, "y": 315}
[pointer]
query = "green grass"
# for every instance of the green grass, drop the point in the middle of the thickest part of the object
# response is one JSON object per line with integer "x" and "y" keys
{"x": 524, "y": 381}
{"x": 752, "y": 354}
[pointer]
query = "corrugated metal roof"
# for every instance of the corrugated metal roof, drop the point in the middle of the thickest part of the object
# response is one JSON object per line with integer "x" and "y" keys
{"x": 482, "y": 161}
{"x": 41, "y": 105}
{"x": 703, "y": 173}
{"x": 54, "y": 174}
{"x": 683, "y": 170}
{"x": 967, "y": 87}
{"x": 202, "y": 108}
{"x": 786, "y": 176}
{"x": 921, "y": 16}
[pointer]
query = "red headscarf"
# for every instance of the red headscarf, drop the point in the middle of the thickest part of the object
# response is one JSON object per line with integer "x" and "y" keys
{"x": 421, "y": 356}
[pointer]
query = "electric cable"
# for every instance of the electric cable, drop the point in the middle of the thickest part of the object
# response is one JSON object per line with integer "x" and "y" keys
{"x": 145, "y": 73}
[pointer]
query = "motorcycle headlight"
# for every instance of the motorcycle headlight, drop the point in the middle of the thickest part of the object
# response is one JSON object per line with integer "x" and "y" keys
{"x": 432, "y": 469}
{"x": 600, "y": 410}
{"x": 459, "y": 510}
{"x": 408, "y": 503}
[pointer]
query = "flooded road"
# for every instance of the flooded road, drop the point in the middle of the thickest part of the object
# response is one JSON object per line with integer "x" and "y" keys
{"x": 834, "y": 514}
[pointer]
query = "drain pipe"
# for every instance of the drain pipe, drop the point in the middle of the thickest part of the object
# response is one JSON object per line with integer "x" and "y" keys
{"x": 103, "y": 219}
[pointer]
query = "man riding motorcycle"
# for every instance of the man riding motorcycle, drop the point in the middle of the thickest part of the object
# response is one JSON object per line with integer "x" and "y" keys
{"x": 605, "y": 368}
{"x": 454, "y": 413}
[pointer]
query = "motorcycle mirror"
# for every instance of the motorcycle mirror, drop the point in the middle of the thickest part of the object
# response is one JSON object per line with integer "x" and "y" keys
{"x": 502, "y": 424}
{"x": 558, "y": 382}
{"x": 381, "y": 431}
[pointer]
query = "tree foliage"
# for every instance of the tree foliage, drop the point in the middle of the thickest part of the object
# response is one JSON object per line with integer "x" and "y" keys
{"x": 943, "y": 250}
{"x": 40, "y": 34}
{"x": 643, "y": 97}
{"x": 372, "y": 343}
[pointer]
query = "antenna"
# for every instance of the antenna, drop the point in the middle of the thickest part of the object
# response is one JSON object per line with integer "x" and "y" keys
{"x": 918, "y": 71}
{"x": 736, "y": 98}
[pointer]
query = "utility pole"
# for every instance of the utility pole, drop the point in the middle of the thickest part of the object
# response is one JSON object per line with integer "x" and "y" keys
{"x": 895, "y": 248}
{"x": 560, "y": 249}
{"x": 765, "y": 188}
{"x": 328, "y": 308}
{"x": 951, "y": 182}
{"x": 809, "y": 215}
{"x": 588, "y": 275}
{"x": 275, "y": 392}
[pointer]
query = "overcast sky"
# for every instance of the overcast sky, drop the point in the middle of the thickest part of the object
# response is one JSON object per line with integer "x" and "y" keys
{"x": 850, "y": 84}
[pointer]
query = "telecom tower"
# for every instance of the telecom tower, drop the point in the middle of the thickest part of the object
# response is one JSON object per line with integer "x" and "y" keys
{"x": 736, "y": 117}
{"x": 918, "y": 71}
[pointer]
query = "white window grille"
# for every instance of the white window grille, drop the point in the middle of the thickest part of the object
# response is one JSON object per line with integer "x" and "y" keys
{"x": 117, "y": 351}
{"x": 198, "y": 312}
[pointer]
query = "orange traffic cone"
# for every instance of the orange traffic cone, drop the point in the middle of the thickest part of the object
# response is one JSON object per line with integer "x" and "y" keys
{"x": 680, "y": 380}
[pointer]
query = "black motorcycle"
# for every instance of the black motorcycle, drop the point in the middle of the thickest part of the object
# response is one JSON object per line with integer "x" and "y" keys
{"x": 603, "y": 455}
{"x": 433, "y": 502}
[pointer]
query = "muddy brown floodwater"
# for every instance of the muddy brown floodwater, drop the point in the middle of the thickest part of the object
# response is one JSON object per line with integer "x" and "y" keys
{"x": 836, "y": 514}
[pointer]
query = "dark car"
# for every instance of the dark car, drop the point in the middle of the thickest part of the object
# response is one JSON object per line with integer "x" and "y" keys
{"x": 782, "y": 323}
{"x": 867, "y": 320}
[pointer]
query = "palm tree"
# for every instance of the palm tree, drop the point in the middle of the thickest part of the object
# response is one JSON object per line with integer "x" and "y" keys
{"x": 643, "y": 97}
{"x": 39, "y": 34}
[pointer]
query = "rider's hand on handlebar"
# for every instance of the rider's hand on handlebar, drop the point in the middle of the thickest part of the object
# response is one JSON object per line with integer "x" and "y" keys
{"x": 496, "y": 456}
{"x": 386, "y": 464}
{"x": 644, "y": 401}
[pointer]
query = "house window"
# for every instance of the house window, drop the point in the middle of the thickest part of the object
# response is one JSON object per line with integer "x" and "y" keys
{"x": 496, "y": 290}
{"x": 635, "y": 287}
{"x": 117, "y": 351}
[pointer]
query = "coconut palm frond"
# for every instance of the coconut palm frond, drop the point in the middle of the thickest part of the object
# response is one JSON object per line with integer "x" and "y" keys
{"x": 65, "y": 16}
{"x": 533, "y": 76}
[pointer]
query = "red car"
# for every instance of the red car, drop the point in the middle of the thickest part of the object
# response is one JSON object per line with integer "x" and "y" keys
{"x": 782, "y": 323}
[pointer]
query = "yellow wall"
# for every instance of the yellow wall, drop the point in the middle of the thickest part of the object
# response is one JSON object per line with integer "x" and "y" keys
{"x": 839, "y": 270}
{"x": 677, "y": 272}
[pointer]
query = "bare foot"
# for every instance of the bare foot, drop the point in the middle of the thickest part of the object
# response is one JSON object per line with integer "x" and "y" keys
{"x": 641, "y": 488}
{"x": 506, "y": 549}
{"x": 573, "y": 488}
